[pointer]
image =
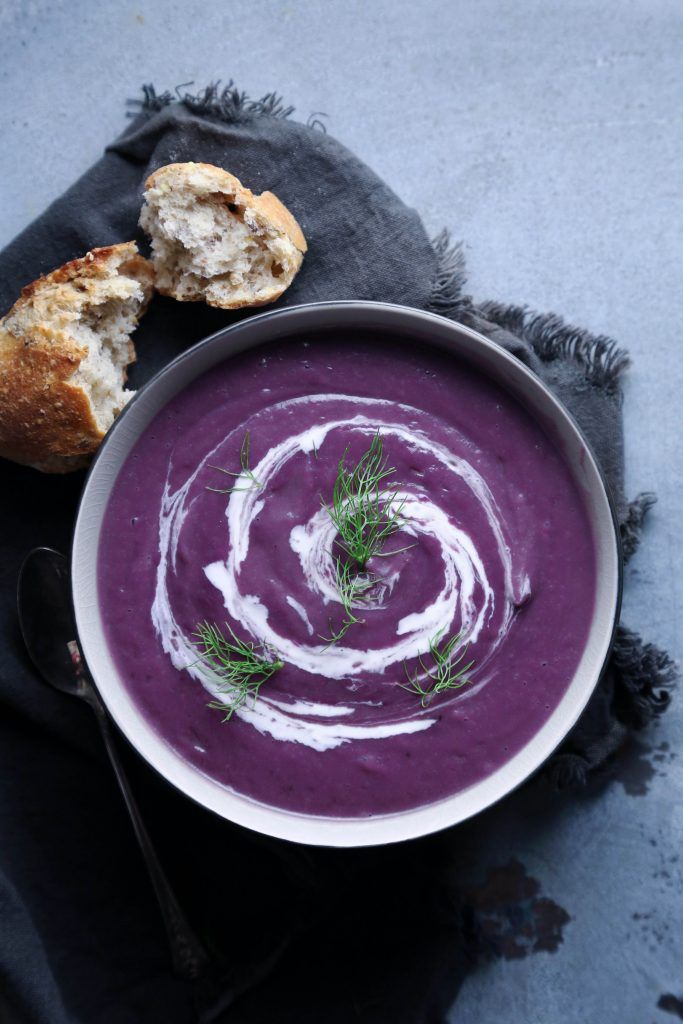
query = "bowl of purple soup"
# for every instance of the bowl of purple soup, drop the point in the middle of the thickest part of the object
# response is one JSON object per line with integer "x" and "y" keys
{"x": 345, "y": 573}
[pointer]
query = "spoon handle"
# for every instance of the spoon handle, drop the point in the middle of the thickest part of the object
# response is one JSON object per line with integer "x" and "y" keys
{"x": 189, "y": 957}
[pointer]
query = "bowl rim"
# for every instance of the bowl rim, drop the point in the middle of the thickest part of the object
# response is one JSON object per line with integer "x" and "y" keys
{"x": 273, "y": 821}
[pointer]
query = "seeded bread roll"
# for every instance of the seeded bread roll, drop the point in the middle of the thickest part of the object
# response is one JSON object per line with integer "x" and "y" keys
{"x": 215, "y": 241}
{"x": 64, "y": 349}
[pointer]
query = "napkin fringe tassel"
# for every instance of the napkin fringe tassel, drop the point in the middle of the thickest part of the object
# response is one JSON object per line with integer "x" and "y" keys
{"x": 447, "y": 298}
{"x": 641, "y": 677}
{"x": 632, "y": 526}
{"x": 644, "y": 678}
{"x": 601, "y": 358}
{"x": 228, "y": 103}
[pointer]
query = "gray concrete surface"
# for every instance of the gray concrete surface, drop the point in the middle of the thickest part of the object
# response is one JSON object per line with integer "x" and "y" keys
{"x": 548, "y": 135}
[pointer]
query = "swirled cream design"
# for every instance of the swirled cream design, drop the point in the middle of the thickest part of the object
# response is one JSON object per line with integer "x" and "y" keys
{"x": 465, "y": 597}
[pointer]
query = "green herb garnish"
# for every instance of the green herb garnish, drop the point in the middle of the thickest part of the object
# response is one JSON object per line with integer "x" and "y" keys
{"x": 353, "y": 587}
{"x": 364, "y": 514}
{"x": 444, "y": 673}
{"x": 243, "y": 668}
{"x": 244, "y": 471}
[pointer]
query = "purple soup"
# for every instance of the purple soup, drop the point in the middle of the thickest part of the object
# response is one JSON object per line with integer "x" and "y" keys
{"x": 493, "y": 550}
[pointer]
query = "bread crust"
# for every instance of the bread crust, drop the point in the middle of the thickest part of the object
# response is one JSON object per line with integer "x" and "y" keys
{"x": 266, "y": 207}
{"x": 95, "y": 264}
{"x": 46, "y": 420}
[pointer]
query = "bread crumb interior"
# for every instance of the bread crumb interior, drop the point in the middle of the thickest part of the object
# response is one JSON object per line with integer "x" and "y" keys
{"x": 104, "y": 329}
{"x": 206, "y": 245}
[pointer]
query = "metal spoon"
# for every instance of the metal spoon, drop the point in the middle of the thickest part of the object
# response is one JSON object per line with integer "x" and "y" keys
{"x": 48, "y": 627}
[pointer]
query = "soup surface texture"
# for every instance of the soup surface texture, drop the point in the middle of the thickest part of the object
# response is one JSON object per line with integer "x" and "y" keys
{"x": 493, "y": 547}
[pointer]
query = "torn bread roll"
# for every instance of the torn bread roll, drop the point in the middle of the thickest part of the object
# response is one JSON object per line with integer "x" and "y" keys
{"x": 64, "y": 349}
{"x": 215, "y": 241}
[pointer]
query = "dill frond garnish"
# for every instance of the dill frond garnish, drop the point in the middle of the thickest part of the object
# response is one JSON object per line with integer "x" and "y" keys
{"x": 244, "y": 470}
{"x": 444, "y": 673}
{"x": 243, "y": 667}
{"x": 364, "y": 514}
{"x": 353, "y": 587}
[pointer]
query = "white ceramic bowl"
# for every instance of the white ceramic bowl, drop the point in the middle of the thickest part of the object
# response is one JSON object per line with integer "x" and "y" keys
{"x": 372, "y": 318}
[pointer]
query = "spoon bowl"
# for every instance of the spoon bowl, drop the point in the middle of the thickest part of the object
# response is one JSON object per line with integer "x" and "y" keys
{"x": 47, "y": 622}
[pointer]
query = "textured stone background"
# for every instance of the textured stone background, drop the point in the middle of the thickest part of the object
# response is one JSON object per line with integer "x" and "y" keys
{"x": 548, "y": 135}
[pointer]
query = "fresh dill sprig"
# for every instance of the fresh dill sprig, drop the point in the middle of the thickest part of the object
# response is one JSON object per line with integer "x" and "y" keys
{"x": 352, "y": 587}
{"x": 243, "y": 667}
{"x": 244, "y": 470}
{"x": 444, "y": 673}
{"x": 364, "y": 514}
